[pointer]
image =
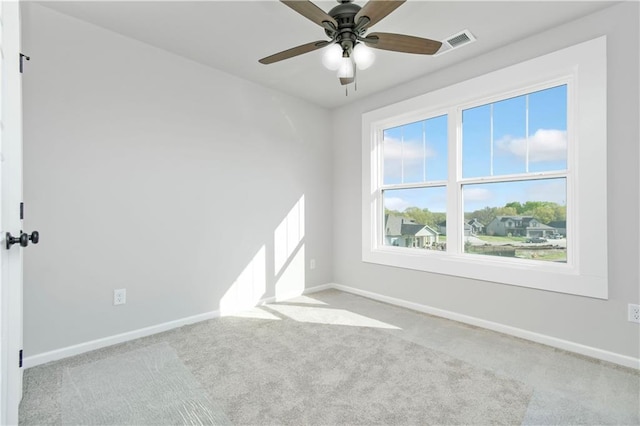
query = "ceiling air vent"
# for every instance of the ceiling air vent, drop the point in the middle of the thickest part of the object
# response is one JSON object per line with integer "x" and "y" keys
{"x": 455, "y": 41}
{"x": 458, "y": 40}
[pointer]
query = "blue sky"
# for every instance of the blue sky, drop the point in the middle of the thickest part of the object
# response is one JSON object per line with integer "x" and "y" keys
{"x": 417, "y": 152}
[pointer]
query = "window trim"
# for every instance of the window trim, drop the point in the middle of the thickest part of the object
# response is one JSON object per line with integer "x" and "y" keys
{"x": 583, "y": 68}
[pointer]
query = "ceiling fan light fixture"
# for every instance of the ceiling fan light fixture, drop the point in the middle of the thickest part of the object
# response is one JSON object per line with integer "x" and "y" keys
{"x": 346, "y": 25}
{"x": 347, "y": 68}
{"x": 363, "y": 56}
{"x": 332, "y": 57}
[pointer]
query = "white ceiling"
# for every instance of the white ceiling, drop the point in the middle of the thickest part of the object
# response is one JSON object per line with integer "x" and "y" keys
{"x": 232, "y": 35}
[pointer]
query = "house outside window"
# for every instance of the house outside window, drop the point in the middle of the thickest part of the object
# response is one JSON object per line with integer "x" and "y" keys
{"x": 492, "y": 173}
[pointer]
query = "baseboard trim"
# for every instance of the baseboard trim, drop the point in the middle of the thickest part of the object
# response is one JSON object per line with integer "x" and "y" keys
{"x": 58, "y": 354}
{"x": 566, "y": 345}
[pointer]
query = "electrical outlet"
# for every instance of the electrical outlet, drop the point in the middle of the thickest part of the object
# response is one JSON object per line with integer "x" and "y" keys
{"x": 634, "y": 313}
{"x": 120, "y": 296}
{"x": 312, "y": 264}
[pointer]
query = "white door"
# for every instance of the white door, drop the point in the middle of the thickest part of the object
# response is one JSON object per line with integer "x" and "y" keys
{"x": 10, "y": 212}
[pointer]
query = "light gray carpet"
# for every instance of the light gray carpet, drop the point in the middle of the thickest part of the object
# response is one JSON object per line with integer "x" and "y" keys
{"x": 286, "y": 372}
{"x": 330, "y": 358}
{"x": 144, "y": 386}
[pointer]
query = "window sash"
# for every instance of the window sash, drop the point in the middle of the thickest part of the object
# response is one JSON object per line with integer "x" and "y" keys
{"x": 455, "y": 182}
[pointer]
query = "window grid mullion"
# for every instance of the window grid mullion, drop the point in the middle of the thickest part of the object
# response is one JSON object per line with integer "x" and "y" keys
{"x": 526, "y": 132}
{"x": 454, "y": 194}
{"x": 417, "y": 185}
{"x": 514, "y": 178}
{"x": 490, "y": 142}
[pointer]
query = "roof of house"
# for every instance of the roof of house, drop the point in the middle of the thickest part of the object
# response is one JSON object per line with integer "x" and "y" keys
{"x": 526, "y": 220}
{"x": 393, "y": 224}
{"x": 558, "y": 223}
{"x": 475, "y": 222}
{"x": 399, "y": 225}
{"x": 410, "y": 228}
{"x": 417, "y": 230}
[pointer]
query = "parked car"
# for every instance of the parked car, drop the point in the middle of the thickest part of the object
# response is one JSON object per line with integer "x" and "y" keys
{"x": 536, "y": 240}
{"x": 556, "y": 237}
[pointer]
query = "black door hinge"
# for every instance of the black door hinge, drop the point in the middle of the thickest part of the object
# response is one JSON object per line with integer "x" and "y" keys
{"x": 22, "y": 57}
{"x": 21, "y": 211}
{"x": 20, "y": 359}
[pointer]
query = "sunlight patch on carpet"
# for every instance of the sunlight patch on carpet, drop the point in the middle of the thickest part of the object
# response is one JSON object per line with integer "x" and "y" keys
{"x": 330, "y": 316}
{"x": 255, "y": 313}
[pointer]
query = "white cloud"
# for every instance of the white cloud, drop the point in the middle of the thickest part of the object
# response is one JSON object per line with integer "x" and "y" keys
{"x": 477, "y": 194}
{"x": 412, "y": 150}
{"x": 396, "y": 203}
{"x": 410, "y": 155}
{"x": 544, "y": 145}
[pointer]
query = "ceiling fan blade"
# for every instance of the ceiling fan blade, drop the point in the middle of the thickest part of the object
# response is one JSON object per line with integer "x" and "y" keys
{"x": 402, "y": 43}
{"x": 311, "y": 12}
{"x": 294, "y": 51}
{"x": 376, "y": 10}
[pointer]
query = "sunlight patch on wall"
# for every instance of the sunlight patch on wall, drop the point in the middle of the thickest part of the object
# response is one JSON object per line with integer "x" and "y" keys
{"x": 328, "y": 316}
{"x": 248, "y": 288}
{"x": 291, "y": 281}
{"x": 288, "y": 235}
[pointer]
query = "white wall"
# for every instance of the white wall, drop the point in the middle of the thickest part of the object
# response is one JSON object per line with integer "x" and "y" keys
{"x": 149, "y": 172}
{"x": 596, "y": 323}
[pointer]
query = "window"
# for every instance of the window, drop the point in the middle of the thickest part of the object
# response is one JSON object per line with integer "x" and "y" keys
{"x": 499, "y": 178}
{"x": 514, "y": 175}
{"x": 414, "y": 183}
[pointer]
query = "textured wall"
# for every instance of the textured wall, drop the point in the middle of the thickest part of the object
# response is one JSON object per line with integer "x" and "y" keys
{"x": 597, "y": 323}
{"x": 149, "y": 172}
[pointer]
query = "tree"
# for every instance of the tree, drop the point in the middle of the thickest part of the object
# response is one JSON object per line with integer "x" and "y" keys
{"x": 559, "y": 212}
{"x": 519, "y": 208}
{"x": 421, "y": 216}
{"x": 484, "y": 215}
{"x": 543, "y": 213}
{"x": 506, "y": 211}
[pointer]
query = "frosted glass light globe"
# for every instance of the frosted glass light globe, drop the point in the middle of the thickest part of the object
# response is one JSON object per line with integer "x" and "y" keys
{"x": 363, "y": 56}
{"x": 332, "y": 57}
{"x": 346, "y": 69}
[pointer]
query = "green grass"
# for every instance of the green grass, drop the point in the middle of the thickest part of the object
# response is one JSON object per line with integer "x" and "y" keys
{"x": 499, "y": 239}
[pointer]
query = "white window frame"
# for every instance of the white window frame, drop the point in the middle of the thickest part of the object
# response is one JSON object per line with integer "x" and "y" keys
{"x": 583, "y": 68}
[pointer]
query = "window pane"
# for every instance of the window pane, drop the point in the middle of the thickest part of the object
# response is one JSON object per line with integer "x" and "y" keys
{"x": 548, "y": 129}
{"x": 437, "y": 147}
{"x": 524, "y": 134}
{"x": 392, "y": 150}
{"x": 413, "y": 217}
{"x": 476, "y": 141}
{"x": 416, "y": 152}
{"x": 524, "y": 219}
{"x": 509, "y": 127}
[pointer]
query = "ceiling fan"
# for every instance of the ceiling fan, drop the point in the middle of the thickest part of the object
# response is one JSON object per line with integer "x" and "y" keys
{"x": 346, "y": 25}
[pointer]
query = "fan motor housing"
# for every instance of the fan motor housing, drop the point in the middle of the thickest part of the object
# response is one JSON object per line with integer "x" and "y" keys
{"x": 344, "y": 14}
